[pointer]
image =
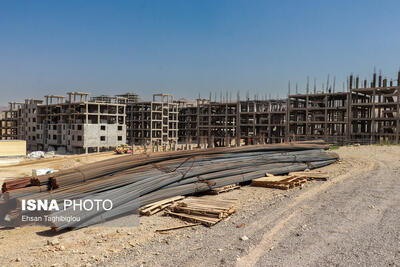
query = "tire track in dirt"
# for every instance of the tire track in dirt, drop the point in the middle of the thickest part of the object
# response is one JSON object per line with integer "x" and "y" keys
{"x": 290, "y": 212}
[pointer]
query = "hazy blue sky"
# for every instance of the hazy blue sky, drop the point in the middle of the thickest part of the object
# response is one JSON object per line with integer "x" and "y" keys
{"x": 190, "y": 47}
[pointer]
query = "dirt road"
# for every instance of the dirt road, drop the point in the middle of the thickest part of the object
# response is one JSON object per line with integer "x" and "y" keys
{"x": 352, "y": 221}
{"x": 349, "y": 220}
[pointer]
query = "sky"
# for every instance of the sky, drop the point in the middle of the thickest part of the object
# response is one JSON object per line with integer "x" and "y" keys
{"x": 188, "y": 48}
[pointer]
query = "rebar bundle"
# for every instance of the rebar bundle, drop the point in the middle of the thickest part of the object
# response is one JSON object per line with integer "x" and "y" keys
{"x": 133, "y": 181}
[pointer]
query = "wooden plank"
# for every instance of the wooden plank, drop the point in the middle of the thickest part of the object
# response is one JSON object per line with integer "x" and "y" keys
{"x": 167, "y": 200}
{"x": 283, "y": 184}
{"x": 204, "y": 210}
{"x": 311, "y": 175}
{"x": 201, "y": 206}
{"x": 276, "y": 186}
{"x": 195, "y": 218}
{"x": 177, "y": 227}
{"x": 276, "y": 180}
{"x": 210, "y": 201}
{"x": 197, "y": 211}
{"x": 160, "y": 208}
{"x": 155, "y": 207}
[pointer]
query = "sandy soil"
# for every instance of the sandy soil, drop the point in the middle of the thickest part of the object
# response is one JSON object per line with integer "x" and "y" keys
{"x": 15, "y": 168}
{"x": 24, "y": 167}
{"x": 350, "y": 219}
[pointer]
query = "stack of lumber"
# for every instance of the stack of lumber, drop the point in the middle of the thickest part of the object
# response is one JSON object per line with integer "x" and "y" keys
{"x": 158, "y": 206}
{"x": 16, "y": 184}
{"x": 203, "y": 210}
{"x": 294, "y": 179}
{"x": 279, "y": 182}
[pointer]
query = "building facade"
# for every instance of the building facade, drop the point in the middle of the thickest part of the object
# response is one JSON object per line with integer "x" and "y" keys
{"x": 9, "y": 123}
{"x": 80, "y": 126}
{"x": 153, "y": 122}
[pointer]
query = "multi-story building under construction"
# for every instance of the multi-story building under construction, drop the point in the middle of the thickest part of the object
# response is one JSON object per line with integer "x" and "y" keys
{"x": 367, "y": 112}
{"x": 78, "y": 125}
{"x": 153, "y": 122}
{"x": 9, "y": 123}
{"x": 232, "y": 123}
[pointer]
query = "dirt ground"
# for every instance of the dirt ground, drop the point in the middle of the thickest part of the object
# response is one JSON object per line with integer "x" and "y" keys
{"x": 351, "y": 219}
{"x": 16, "y": 168}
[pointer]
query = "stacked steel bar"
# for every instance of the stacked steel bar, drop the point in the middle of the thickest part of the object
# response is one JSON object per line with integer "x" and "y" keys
{"x": 131, "y": 182}
{"x": 101, "y": 168}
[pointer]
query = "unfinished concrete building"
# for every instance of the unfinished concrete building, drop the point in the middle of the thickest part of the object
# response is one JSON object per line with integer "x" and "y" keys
{"x": 277, "y": 121}
{"x": 217, "y": 123}
{"x": 27, "y": 123}
{"x": 130, "y": 97}
{"x": 77, "y": 125}
{"x": 120, "y": 99}
{"x": 9, "y": 123}
{"x": 367, "y": 113}
{"x": 374, "y": 111}
{"x": 188, "y": 121}
{"x": 230, "y": 123}
{"x": 153, "y": 122}
{"x": 262, "y": 121}
{"x": 102, "y": 99}
{"x": 318, "y": 116}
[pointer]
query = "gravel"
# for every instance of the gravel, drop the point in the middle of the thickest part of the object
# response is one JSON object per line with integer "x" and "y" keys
{"x": 351, "y": 219}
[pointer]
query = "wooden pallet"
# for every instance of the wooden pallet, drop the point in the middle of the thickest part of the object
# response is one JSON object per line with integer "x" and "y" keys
{"x": 208, "y": 221}
{"x": 206, "y": 211}
{"x": 155, "y": 207}
{"x": 280, "y": 182}
{"x": 293, "y": 179}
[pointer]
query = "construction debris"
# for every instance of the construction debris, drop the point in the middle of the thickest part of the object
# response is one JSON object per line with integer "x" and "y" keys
{"x": 42, "y": 171}
{"x": 36, "y": 154}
